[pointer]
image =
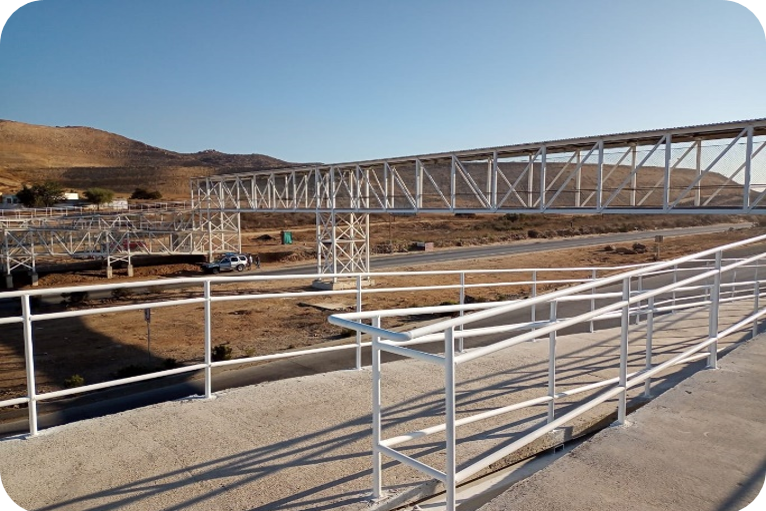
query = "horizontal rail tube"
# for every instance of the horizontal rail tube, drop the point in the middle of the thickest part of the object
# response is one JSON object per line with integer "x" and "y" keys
{"x": 119, "y": 308}
{"x": 531, "y": 437}
{"x": 116, "y": 383}
{"x": 410, "y": 353}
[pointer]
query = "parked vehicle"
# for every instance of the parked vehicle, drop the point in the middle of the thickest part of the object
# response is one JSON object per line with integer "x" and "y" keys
{"x": 228, "y": 262}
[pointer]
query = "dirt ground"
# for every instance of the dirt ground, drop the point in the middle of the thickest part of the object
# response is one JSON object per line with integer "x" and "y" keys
{"x": 105, "y": 346}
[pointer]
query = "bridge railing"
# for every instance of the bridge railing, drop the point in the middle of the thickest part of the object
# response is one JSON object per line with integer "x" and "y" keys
{"x": 456, "y": 298}
{"x": 697, "y": 283}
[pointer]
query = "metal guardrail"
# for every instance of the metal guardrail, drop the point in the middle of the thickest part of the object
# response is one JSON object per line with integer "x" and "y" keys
{"x": 55, "y": 211}
{"x": 207, "y": 286}
{"x": 699, "y": 286}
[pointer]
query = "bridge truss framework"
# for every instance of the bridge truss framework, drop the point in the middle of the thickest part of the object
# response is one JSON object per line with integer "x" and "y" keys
{"x": 707, "y": 169}
{"x": 114, "y": 236}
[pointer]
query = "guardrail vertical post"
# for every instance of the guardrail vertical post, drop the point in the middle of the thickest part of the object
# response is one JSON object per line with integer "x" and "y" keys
{"x": 593, "y": 277}
{"x": 624, "y": 327}
{"x": 460, "y": 346}
{"x": 533, "y": 312}
{"x": 358, "y": 333}
{"x": 649, "y": 335}
{"x": 552, "y": 363}
{"x": 675, "y": 280}
{"x": 756, "y": 299}
{"x": 638, "y": 305}
{"x": 449, "y": 412}
{"x": 715, "y": 294}
{"x": 29, "y": 357}
{"x": 733, "y": 283}
{"x": 377, "y": 468}
{"x": 208, "y": 340}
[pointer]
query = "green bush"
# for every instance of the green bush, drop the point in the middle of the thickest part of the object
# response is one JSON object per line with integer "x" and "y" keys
{"x": 133, "y": 370}
{"x": 74, "y": 381}
{"x": 221, "y": 352}
{"x": 98, "y": 196}
{"x": 144, "y": 194}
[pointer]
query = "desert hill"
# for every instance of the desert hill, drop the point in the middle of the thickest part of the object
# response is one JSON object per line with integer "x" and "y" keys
{"x": 81, "y": 157}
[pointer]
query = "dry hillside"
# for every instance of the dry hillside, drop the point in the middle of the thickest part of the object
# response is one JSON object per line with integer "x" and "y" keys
{"x": 81, "y": 157}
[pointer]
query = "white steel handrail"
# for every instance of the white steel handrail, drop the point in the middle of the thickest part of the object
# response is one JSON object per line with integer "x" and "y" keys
{"x": 629, "y": 303}
{"x": 348, "y": 320}
{"x": 28, "y": 317}
{"x": 209, "y": 297}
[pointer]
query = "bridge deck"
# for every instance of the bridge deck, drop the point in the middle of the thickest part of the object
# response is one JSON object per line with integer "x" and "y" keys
{"x": 304, "y": 443}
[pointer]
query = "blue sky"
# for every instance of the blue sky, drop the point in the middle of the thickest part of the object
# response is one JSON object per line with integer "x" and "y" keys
{"x": 342, "y": 80}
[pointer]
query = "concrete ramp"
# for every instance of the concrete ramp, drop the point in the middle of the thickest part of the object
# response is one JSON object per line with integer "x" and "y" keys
{"x": 701, "y": 446}
{"x": 304, "y": 443}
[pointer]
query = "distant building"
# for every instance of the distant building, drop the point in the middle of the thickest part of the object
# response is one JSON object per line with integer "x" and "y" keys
{"x": 117, "y": 204}
{"x": 9, "y": 201}
{"x": 71, "y": 196}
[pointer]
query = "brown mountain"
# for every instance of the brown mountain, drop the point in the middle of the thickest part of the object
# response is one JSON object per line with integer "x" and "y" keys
{"x": 81, "y": 157}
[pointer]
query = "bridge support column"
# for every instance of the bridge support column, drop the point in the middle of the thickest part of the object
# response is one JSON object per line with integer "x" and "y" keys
{"x": 9, "y": 282}
{"x": 343, "y": 246}
{"x": 130, "y": 270}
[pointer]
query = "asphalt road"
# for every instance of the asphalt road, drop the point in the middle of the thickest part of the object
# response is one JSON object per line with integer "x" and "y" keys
{"x": 485, "y": 251}
{"x": 146, "y": 393}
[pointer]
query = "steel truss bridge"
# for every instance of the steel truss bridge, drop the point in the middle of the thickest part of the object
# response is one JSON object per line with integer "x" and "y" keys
{"x": 708, "y": 169}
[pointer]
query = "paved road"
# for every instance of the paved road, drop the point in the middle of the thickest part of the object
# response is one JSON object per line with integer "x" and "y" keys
{"x": 485, "y": 251}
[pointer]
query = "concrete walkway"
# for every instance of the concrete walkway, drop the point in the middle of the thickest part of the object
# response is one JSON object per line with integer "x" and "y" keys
{"x": 304, "y": 443}
{"x": 701, "y": 446}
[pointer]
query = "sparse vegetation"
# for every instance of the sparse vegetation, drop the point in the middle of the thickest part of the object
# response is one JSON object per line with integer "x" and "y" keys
{"x": 221, "y": 352}
{"x": 144, "y": 194}
{"x": 133, "y": 370}
{"x": 41, "y": 195}
{"x": 98, "y": 196}
{"x": 74, "y": 381}
{"x": 170, "y": 363}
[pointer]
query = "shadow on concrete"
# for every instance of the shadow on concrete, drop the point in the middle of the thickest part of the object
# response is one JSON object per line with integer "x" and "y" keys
{"x": 327, "y": 446}
{"x": 747, "y": 491}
